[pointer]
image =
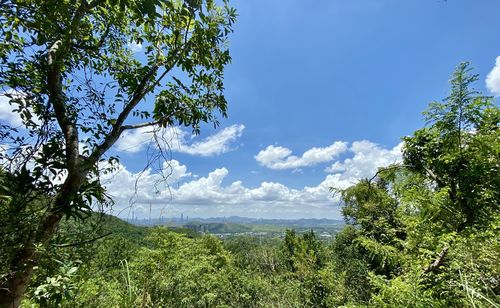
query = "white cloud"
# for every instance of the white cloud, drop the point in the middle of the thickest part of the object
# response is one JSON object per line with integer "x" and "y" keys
{"x": 135, "y": 47}
{"x": 277, "y": 157}
{"x": 133, "y": 141}
{"x": 205, "y": 196}
{"x": 493, "y": 79}
{"x": 213, "y": 145}
{"x": 176, "y": 140}
{"x": 210, "y": 195}
{"x": 368, "y": 157}
{"x": 7, "y": 114}
{"x": 126, "y": 187}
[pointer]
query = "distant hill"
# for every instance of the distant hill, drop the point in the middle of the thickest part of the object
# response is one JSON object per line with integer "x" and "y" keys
{"x": 105, "y": 225}
{"x": 244, "y": 226}
{"x": 291, "y": 223}
{"x": 217, "y": 227}
{"x": 108, "y": 224}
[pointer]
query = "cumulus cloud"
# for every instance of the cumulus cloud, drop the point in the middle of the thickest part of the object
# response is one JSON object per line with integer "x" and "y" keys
{"x": 177, "y": 140}
{"x": 211, "y": 195}
{"x": 368, "y": 157}
{"x": 127, "y": 187}
{"x": 493, "y": 79}
{"x": 7, "y": 113}
{"x": 278, "y": 157}
{"x": 205, "y": 195}
{"x": 212, "y": 145}
{"x": 133, "y": 141}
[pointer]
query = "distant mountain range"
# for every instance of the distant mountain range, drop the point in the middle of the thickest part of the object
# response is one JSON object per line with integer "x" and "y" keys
{"x": 295, "y": 223}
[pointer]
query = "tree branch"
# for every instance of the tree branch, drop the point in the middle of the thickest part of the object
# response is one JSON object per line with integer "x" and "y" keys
{"x": 428, "y": 171}
{"x": 58, "y": 101}
{"x": 116, "y": 129}
{"x": 433, "y": 176}
{"x": 100, "y": 43}
{"x": 438, "y": 262}
{"x": 142, "y": 89}
{"x": 380, "y": 170}
{"x": 146, "y": 124}
{"x": 56, "y": 55}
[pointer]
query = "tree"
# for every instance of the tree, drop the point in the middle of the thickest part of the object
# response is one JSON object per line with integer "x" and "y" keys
{"x": 304, "y": 256}
{"x": 427, "y": 227}
{"x": 457, "y": 211}
{"x": 190, "y": 272}
{"x": 71, "y": 73}
{"x": 459, "y": 152}
{"x": 374, "y": 210}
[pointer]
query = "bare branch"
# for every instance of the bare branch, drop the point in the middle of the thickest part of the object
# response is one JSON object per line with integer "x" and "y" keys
{"x": 438, "y": 262}
{"x": 125, "y": 127}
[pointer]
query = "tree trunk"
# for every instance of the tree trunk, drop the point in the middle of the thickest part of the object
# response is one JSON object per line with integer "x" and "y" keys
{"x": 12, "y": 291}
{"x": 21, "y": 269}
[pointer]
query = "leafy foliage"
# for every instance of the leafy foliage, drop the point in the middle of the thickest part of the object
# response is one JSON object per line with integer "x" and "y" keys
{"x": 426, "y": 228}
{"x": 70, "y": 70}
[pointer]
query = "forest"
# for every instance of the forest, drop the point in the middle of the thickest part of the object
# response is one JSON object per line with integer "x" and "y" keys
{"x": 422, "y": 232}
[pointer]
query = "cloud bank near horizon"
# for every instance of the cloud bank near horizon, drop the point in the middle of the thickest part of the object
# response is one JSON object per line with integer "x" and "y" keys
{"x": 210, "y": 195}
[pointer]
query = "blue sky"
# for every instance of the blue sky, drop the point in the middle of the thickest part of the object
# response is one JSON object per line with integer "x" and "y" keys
{"x": 307, "y": 74}
{"x": 320, "y": 93}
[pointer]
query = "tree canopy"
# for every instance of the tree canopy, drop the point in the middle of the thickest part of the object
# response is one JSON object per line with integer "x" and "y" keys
{"x": 77, "y": 78}
{"x": 421, "y": 226}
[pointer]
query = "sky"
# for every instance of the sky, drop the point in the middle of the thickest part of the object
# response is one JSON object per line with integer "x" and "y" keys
{"x": 319, "y": 95}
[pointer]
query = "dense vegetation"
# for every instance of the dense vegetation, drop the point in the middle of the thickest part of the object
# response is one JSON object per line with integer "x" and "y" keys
{"x": 421, "y": 233}
{"x": 76, "y": 84}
